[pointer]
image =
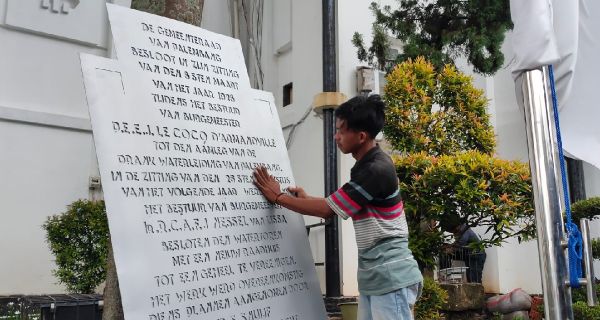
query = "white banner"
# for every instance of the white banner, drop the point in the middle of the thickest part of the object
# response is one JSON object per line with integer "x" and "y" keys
{"x": 564, "y": 34}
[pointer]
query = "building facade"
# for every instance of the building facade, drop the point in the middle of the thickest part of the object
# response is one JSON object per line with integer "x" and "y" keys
{"x": 47, "y": 158}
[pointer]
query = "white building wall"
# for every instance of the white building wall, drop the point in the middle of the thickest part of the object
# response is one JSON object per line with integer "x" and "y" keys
{"x": 47, "y": 156}
{"x": 510, "y": 266}
{"x": 352, "y": 16}
{"x": 46, "y": 150}
{"x": 306, "y": 145}
{"x": 43, "y": 170}
{"x": 291, "y": 53}
{"x": 216, "y": 17}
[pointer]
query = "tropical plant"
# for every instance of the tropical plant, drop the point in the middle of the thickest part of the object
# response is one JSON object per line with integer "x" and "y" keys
{"x": 580, "y": 294}
{"x": 78, "y": 238}
{"x": 496, "y": 316}
{"x": 432, "y": 299}
{"x": 441, "y": 31}
{"x": 435, "y": 112}
{"x": 581, "y": 311}
{"x": 437, "y": 123}
{"x": 484, "y": 191}
{"x": 377, "y": 54}
{"x": 596, "y": 248}
{"x": 588, "y": 208}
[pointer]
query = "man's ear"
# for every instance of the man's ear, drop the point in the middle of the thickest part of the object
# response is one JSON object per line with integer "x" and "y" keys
{"x": 363, "y": 136}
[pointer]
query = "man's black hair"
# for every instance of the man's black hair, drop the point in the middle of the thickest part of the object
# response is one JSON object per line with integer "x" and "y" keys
{"x": 363, "y": 114}
{"x": 450, "y": 222}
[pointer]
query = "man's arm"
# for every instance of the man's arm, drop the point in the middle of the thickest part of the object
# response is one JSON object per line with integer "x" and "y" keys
{"x": 302, "y": 203}
{"x": 311, "y": 206}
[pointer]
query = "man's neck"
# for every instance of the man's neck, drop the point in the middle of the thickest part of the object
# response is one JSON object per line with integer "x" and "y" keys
{"x": 364, "y": 149}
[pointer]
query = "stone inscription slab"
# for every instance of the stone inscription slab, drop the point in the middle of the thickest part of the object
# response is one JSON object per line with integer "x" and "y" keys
{"x": 177, "y": 132}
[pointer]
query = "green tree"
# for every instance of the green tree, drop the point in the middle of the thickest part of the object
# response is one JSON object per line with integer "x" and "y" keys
{"x": 78, "y": 238}
{"x": 435, "y": 112}
{"x": 588, "y": 208}
{"x": 441, "y": 31}
{"x": 432, "y": 299}
{"x": 438, "y": 124}
{"x": 484, "y": 191}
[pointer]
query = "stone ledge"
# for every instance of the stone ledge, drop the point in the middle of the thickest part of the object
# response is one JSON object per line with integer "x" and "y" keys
{"x": 332, "y": 305}
{"x": 464, "y": 296}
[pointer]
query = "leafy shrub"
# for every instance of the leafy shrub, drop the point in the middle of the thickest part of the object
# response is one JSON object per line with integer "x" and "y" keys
{"x": 78, "y": 238}
{"x": 581, "y": 311}
{"x": 588, "y": 208}
{"x": 439, "y": 124}
{"x": 482, "y": 190}
{"x": 431, "y": 301}
{"x": 437, "y": 113}
{"x": 596, "y": 248}
{"x": 580, "y": 294}
{"x": 496, "y": 316}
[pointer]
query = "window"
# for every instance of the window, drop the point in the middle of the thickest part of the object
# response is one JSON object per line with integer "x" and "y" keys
{"x": 288, "y": 94}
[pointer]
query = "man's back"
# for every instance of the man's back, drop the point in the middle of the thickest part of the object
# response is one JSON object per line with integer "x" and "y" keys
{"x": 372, "y": 199}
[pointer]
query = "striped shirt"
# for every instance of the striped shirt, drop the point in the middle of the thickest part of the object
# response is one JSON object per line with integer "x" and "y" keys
{"x": 372, "y": 199}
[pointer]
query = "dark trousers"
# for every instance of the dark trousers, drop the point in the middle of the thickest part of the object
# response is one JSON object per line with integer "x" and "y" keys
{"x": 475, "y": 262}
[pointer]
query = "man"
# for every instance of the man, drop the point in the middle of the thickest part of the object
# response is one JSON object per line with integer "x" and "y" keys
{"x": 389, "y": 280}
{"x": 462, "y": 248}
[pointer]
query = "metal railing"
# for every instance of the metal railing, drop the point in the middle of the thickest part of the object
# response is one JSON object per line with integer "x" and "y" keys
{"x": 452, "y": 272}
{"x": 51, "y": 307}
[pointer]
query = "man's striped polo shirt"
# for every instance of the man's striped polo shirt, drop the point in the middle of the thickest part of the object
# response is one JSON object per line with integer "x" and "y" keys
{"x": 372, "y": 199}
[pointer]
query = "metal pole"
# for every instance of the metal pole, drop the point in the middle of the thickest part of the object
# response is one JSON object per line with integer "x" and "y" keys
{"x": 236, "y": 19}
{"x": 588, "y": 263}
{"x": 332, "y": 254}
{"x": 541, "y": 140}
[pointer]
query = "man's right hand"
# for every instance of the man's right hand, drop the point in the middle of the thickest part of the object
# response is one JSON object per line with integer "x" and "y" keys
{"x": 298, "y": 192}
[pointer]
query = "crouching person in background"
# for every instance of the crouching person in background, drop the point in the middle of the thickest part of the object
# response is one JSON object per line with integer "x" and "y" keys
{"x": 464, "y": 248}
